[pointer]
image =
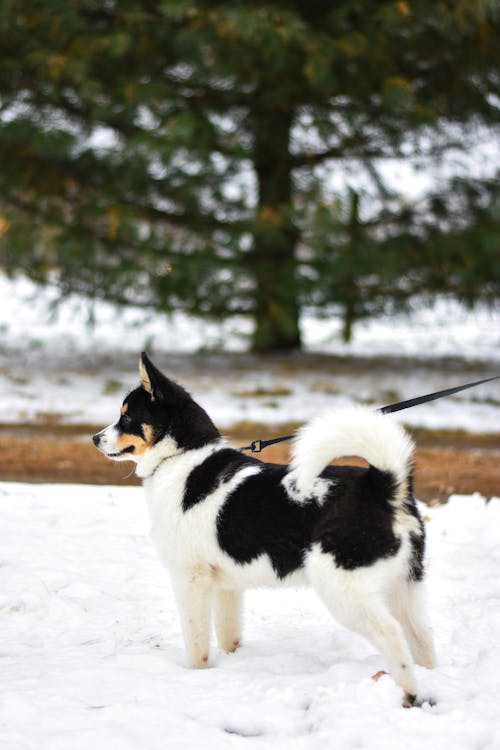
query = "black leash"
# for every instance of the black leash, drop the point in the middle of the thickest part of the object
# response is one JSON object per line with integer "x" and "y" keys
{"x": 256, "y": 446}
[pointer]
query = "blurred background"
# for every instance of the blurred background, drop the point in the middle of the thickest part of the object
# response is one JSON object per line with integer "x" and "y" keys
{"x": 290, "y": 205}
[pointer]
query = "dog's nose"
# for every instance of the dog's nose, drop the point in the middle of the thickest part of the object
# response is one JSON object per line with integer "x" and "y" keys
{"x": 96, "y": 439}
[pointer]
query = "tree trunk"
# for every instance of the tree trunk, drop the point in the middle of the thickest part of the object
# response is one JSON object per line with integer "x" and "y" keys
{"x": 349, "y": 285}
{"x": 272, "y": 260}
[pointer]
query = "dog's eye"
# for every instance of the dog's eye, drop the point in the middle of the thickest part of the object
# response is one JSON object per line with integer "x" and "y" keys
{"x": 126, "y": 420}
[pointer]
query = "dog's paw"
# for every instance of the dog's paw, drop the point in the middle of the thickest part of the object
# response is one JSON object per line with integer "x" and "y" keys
{"x": 413, "y": 701}
{"x": 230, "y": 646}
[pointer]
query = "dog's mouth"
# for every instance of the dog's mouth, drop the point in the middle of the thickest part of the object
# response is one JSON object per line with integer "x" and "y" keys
{"x": 117, "y": 454}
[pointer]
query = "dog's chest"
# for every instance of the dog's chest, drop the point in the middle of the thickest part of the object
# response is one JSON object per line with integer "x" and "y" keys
{"x": 186, "y": 536}
{"x": 176, "y": 534}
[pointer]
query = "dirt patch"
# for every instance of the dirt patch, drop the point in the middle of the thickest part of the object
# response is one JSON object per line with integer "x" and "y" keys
{"x": 446, "y": 463}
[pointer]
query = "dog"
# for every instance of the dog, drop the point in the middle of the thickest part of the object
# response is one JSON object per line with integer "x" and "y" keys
{"x": 223, "y": 521}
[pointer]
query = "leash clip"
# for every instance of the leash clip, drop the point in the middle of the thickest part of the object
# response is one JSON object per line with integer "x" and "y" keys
{"x": 256, "y": 446}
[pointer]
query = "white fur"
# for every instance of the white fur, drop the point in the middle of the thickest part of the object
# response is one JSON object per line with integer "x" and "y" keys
{"x": 319, "y": 488}
{"x": 364, "y": 600}
{"x": 350, "y": 432}
{"x": 407, "y": 604}
{"x": 148, "y": 462}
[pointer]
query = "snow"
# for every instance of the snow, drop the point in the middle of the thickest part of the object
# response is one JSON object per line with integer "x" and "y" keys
{"x": 90, "y": 644}
{"x": 91, "y": 653}
{"x": 59, "y": 367}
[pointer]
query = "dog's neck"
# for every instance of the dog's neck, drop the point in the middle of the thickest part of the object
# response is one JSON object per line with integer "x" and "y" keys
{"x": 164, "y": 451}
{"x": 151, "y": 459}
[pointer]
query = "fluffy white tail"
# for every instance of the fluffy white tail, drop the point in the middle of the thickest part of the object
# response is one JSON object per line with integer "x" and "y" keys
{"x": 357, "y": 431}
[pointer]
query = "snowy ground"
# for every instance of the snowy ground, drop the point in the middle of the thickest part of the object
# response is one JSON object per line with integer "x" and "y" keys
{"x": 91, "y": 653}
{"x": 90, "y": 645}
{"x": 59, "y": 368}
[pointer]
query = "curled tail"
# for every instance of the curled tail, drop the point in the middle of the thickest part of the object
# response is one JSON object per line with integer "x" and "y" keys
{"x": 358, "y": 431}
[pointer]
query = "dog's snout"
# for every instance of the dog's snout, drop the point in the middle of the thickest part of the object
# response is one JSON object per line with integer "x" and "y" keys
{"x": 96, "y": 439}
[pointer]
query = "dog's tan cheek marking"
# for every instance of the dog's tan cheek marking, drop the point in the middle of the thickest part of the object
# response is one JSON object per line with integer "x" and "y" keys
{"x": 128, "y": 441}
{"x": 139, "y": 444}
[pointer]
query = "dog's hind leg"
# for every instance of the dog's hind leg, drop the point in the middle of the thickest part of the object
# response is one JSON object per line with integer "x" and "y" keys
{"x": 228, "y": 618}
{"x": 194, "y": 596}
{"x": 353, "y": 599}
{"x": 408, "y": 606}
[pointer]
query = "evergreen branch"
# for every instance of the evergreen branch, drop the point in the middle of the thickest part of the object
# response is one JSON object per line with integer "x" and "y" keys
{"x": 187, "y": 219}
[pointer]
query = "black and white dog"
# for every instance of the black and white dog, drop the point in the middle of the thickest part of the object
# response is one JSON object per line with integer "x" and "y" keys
{"x": 223, "y": 521}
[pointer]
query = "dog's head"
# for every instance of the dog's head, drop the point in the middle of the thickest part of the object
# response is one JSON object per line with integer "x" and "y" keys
{"x": 158, "y": 414}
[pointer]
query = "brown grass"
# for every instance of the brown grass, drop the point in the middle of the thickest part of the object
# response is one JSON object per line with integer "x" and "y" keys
{"x": 446, "y": 462}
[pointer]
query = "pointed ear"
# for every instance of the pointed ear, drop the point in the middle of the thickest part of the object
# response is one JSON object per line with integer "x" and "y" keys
{"x": 159, "y": 387}
{"x": 150, "y": 377}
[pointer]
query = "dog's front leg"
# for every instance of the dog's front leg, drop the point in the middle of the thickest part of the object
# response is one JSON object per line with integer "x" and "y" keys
{"x": 228, "y": 619}
{"x": 194, "y": 595}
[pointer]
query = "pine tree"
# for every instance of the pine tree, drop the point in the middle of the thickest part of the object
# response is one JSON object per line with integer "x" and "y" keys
{"x": 171, "y": 153}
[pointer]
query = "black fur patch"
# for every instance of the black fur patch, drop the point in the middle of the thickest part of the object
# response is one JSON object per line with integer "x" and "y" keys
{"x": 259, "y": 518}
{"x": 218, "y": 468}
{"x": 417, "y": 541}
{"x": 130, "y": 425}
{"x": 356, "y": 524}
{"x": 416, "y": 572}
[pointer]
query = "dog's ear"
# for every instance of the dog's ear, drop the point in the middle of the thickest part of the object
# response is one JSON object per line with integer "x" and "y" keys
{"x": 151, "y": 377}
{"x": 159, "y": 387}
